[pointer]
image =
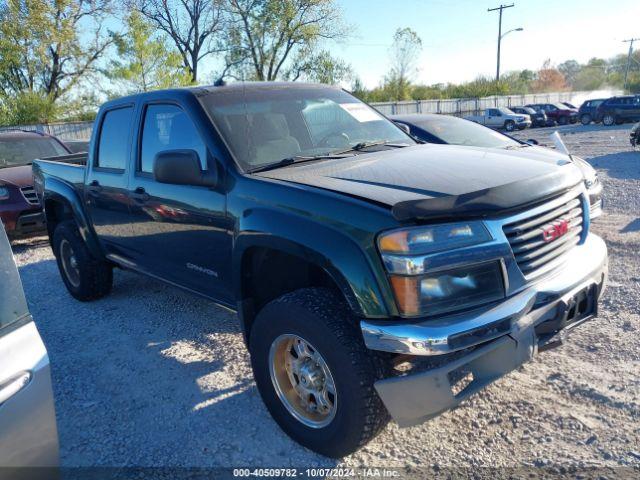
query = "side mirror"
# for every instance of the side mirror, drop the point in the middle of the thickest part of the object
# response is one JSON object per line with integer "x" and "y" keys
{"x": 404, "y": 127}
{"x": 182, "y": 167}
{"x": 532, "y": 141}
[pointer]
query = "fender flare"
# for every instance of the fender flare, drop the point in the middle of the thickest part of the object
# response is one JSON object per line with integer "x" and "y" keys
{"x": 333, "y": 251}
{"x": 61, "y": 192}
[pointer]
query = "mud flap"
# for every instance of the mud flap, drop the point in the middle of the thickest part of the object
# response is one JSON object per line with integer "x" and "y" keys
{"x": 413, "y": 399}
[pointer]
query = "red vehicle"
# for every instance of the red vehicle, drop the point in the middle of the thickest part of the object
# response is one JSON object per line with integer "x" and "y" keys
{"x": 558, "y": 112}
{"x": 20, "y": 209}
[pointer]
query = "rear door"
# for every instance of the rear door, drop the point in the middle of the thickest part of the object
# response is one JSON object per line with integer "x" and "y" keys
{"x": 28, "y": 434}
{"x": 106, "y": 194}
{"x": 179, "y": 232}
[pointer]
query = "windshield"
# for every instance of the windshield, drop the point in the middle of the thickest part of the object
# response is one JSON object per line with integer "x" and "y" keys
{"x": 263, "y": 125}
{"x": 456, "y": 131}
{"x": 506, "y": 111}
{"x": 15, "y": 151}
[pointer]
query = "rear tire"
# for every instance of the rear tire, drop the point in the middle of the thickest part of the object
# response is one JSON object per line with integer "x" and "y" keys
{"x": 318, "y": 318}
{"x": 608, "y": 120}
{"x": 585, "y": 119}
{"x": 509, "y": 125}
{"x": 86, "y": 277}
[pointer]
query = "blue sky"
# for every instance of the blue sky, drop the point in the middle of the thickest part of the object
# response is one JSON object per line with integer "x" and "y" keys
{"x": 459, "y": 36}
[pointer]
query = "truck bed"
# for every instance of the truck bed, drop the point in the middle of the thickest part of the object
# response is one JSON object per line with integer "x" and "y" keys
{"x": 69, "y": 168}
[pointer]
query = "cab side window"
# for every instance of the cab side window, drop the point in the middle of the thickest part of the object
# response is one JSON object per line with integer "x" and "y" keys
{"x": 113, "y": 147}
{"x": 168, "y": 127}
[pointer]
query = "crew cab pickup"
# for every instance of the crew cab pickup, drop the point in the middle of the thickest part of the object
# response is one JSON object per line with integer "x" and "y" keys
{"x": 501, "y": 118}
{"x": 373, "y": 276}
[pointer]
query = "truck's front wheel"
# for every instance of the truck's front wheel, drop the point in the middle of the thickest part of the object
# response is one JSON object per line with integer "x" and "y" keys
{"x": 86, "y": 277}
{"x": 314, "y": 373}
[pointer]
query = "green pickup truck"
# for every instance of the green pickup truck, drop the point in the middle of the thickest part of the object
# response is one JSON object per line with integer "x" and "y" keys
{"x": 373, "y": 276}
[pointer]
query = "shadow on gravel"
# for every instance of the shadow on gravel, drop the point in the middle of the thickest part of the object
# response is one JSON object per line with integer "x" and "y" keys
{"x": 623, "y": 165}
{"x": 151, "y": 375}
{"x": 633, "y": 226}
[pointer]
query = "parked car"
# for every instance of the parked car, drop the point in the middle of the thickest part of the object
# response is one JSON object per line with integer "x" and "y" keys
{"x": 634, "y": 136}
{"x": 617, "y": 110}
{"x": 29, "y": 436}
{"x": 346, "y": 247}
{"x": 501, "y": 118}
{"x": 557, "y": 112}
{"x": 587, "y": 111}
{"x": 570, "y": 105}
{"x": 538, "y": 118}
{"x": 20, "y": 210}
{"x": 77, "y": 146}
{"x": 446, "y": 129}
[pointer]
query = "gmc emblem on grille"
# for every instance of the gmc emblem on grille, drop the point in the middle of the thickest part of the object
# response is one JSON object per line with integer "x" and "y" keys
{"x": 555, "y": 230}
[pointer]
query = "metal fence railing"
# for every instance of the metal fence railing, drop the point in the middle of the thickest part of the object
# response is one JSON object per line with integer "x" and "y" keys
{"x": 452, "y": 106}
{"x": 470, "y": 106}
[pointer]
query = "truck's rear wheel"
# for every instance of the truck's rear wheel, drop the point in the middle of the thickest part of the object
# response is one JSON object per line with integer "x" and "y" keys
{"x": 314, "y": 373}
{"x": 86, "y": 277}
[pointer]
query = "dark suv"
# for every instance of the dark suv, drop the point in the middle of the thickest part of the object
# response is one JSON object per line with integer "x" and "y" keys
{"x": 587, "y": 111}
{"x": 559, "y": 113}
{"x": 617, "y": 110}
{"x": 538, "y": 117}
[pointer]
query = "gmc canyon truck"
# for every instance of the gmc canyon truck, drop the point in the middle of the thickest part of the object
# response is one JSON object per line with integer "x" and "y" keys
{"x": 373, "y": 277}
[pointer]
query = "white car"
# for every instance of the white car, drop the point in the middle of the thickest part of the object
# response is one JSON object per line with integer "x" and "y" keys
{"x": 501, "y": 118}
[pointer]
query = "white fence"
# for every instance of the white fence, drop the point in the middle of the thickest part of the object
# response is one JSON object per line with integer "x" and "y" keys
{"x": 470, "y": 106}
{"x": 452, "y": 106}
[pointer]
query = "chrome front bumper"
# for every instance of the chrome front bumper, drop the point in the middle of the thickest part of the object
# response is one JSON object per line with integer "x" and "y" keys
{"x": 524, "y": 324}
{"x": 586, "y": 264}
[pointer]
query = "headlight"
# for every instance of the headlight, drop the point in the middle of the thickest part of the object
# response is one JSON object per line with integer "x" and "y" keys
{"x": 419, "y": 291}
{"x": 4, "y": 192}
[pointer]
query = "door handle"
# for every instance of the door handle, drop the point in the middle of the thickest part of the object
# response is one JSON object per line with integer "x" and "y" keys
{"x": 140, "y": 194}
{"x": 9, "y": 388}
{"x": 94, "y": 187}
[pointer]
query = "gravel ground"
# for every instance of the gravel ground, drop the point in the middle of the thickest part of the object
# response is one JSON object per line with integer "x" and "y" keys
{"x": 154, "y": 376}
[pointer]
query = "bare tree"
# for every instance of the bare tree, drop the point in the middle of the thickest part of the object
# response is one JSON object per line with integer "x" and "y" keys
{"x": 192, "y": 25}
{"x": 271, "y": 39}
{"x": 404, "y": 53}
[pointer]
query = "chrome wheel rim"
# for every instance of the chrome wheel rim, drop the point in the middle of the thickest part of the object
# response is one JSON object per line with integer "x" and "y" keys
{"x": 302, "y": 380}
{"x": 69, "y": 263}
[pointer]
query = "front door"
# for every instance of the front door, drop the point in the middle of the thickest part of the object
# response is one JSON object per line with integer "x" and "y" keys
{"x": 179, "y": 232}
{"x": 28, "y": 434}
{"x": 106, "y": 194}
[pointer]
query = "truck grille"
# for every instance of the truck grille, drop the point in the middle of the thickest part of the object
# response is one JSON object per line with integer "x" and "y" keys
{"x": 29, "y": 195}
{"x": 544, "y": 237}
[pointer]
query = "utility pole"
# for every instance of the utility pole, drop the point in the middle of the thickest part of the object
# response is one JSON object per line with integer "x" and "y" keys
{"x": 626, "y": 70}
{"x": 501, "y": 8}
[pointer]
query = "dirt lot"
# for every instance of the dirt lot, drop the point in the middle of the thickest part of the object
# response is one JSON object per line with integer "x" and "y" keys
{"x": 155, "y": 376}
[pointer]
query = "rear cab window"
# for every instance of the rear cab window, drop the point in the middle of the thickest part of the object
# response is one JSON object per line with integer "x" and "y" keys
{"x": 113, "y": 147}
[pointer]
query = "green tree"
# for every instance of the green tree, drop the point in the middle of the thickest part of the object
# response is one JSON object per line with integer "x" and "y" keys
{"x": 144, "y": 61}
{"x": 48, "y": 46}
{"x": 320, "y": 67}
{"x": 27, "y": 107}
{"x": 274, "y": 39}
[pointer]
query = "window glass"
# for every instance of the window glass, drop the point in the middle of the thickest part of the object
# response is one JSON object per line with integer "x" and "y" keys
{"x": 264, "y": 125}
{"x": 456, "y": 131}
{"x": 168, "y": 127}
{"x": 113, "y": 148}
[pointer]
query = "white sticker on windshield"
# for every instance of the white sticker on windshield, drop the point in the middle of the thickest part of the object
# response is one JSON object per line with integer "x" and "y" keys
{"x": 360, "y": 112}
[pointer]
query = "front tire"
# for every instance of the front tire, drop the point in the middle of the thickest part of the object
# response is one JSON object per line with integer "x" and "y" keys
{"x": 608, "y": 120}
{"x": 585, "y": 119}
{"x": 509, "y": 125}
{"x": 315, "y": 374}
{"x": 86, "y": 277}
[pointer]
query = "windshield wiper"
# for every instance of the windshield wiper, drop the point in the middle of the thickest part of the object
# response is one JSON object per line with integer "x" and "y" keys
{"x": 296, "y": 159}
{"x": 362, "y": 145}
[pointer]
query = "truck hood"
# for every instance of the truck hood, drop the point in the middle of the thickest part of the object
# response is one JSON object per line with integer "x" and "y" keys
{"x": 439, "y": 174}
{"x": 20, "y": 176}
